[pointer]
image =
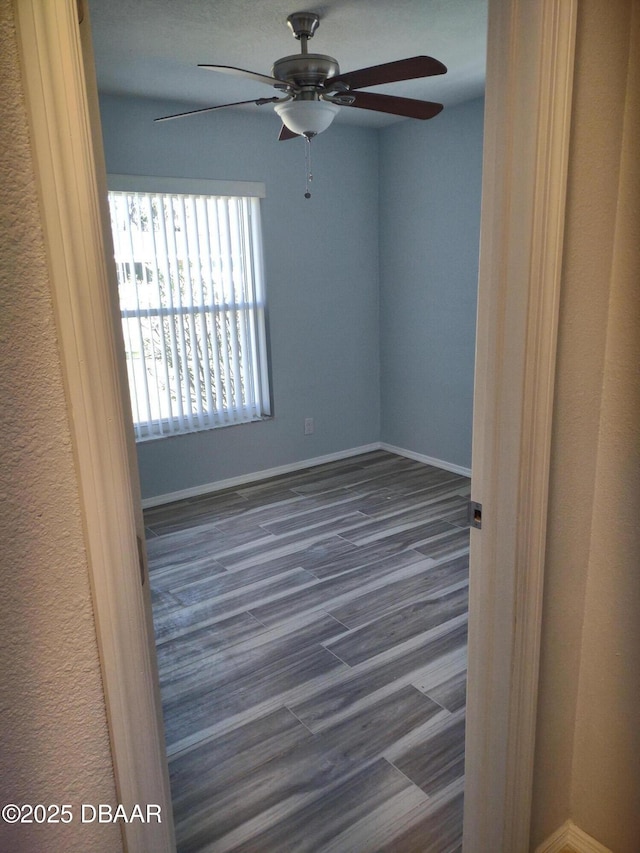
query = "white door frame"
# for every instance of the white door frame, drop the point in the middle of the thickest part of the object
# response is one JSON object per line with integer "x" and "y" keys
{"x": 530, "y": 59}
{"x": 530, "y": 63}
{"x": 61, "y": 99}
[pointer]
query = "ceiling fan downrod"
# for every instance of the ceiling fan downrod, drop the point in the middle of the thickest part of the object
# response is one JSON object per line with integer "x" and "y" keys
{"x": 303, "y": 25}
{"x": 307, "y": 160}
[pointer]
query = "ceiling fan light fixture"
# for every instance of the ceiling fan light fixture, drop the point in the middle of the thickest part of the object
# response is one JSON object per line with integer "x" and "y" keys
{"x": 307, "y": 118}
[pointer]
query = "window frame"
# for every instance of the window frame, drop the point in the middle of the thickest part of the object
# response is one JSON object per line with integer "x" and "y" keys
{"x": 206, "y": 419}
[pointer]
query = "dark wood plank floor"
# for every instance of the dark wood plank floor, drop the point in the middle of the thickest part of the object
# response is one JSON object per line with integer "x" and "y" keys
{"x": 311, "y": 636}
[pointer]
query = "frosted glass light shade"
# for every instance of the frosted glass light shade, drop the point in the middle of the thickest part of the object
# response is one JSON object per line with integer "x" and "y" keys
{"x": 307, "y": 117}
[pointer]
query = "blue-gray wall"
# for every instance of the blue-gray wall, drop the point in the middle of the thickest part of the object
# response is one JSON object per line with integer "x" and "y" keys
{"x": 371, "y": 284}
{"x": 430, "y": 182}
{"x": 321, "y": 268}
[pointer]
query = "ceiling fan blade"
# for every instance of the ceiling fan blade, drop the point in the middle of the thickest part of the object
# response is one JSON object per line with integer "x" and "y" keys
{"x": 390, "y": 72}
{"x": 285, "y": 134}
{"x": 251, "y": 75}
{"x": 258, "y": 101}
{"x": 408, "y": 107}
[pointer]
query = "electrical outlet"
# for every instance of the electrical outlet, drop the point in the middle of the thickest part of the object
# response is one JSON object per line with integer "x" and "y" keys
{"x": 309, "y": 427}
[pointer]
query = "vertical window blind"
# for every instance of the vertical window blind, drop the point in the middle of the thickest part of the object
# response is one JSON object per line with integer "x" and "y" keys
{"x": 192, "y": 303}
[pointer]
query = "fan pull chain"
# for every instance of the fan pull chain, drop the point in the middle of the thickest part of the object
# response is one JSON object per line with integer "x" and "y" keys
{"x": 309, "y": 174}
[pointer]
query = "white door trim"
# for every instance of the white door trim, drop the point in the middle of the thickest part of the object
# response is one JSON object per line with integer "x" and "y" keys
{"x": 528, "y": 110}
{"x": 69, "y": 167}
{"x": 571, "y": 837}
{"x": 527, "y": 125}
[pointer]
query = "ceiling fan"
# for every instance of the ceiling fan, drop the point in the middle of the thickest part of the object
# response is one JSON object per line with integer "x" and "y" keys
{"x": 313, "y": 89}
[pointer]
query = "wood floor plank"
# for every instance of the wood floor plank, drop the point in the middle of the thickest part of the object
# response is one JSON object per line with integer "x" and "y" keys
{"x": 257, "y": 513}
{"x": 315, "y": 766}
{"x": 350, "y": 478}
{"x": 224, "y": 583}
{"x": 386, "y": 501}
{"x": 275, "y": 547}
{"x": 311, "y": 639}
{"x": 198, "y": 643}
{"x": 180, "y": 621}
{"x": 454, "y": 543}
{"x": 309, "y": 517}
{"x": 178, "y": 515}
{"x": 401, "y": 624}
{"x": 364, "y": 681}
{"x": 204, "y": 540}
{"x": 372, "y": 605}
{"x": 241, "y": 663}
{"x": 178, "y": 574}
{"x": 439, "y": 831}
{"x": 451, "y": 693}
{"x": 322, "y": 476}
{"x": 231, "y": 594}
{"x": 358, "y": 556}
{"x": 317, "y": 821}
{"x": 197, "y": 708}
{"x": 420, "y": 509}
{"x": 330, "y": 592}
{"x": 407, "y": 532}
{"x": 409, "y": 481}
{"x": 214, "y": 764}
{"x": 438, "y": 761}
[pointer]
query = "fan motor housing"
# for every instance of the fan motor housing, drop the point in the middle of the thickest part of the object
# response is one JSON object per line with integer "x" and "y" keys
{"x": 305, "y": 69}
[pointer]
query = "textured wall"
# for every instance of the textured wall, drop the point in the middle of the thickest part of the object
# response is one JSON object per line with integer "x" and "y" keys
{"x": 55, "y": 745}
{"x": 430, "y": 184}
{"x": 607, "y": 737}
{"x": 588, "y": 746}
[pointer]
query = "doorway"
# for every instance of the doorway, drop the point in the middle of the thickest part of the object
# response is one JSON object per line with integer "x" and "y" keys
{"x": 509, "y": 801}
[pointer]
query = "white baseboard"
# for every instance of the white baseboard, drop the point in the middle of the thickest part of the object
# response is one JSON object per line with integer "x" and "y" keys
{"x": 254, "y": 476}
{"x": 572, "y": 837}
{"x": 243, "y": 479}
{"x": 428, "y": 460}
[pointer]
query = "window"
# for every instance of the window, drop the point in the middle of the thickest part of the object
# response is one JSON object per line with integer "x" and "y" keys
{"x": 190, "y": 283}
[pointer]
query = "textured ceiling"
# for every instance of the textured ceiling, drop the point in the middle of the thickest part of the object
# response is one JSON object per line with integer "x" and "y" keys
{"x": 152, "y": 47}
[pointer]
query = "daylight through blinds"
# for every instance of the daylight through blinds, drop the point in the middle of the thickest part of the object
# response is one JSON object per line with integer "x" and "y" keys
{"x": 193, "y": 309}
